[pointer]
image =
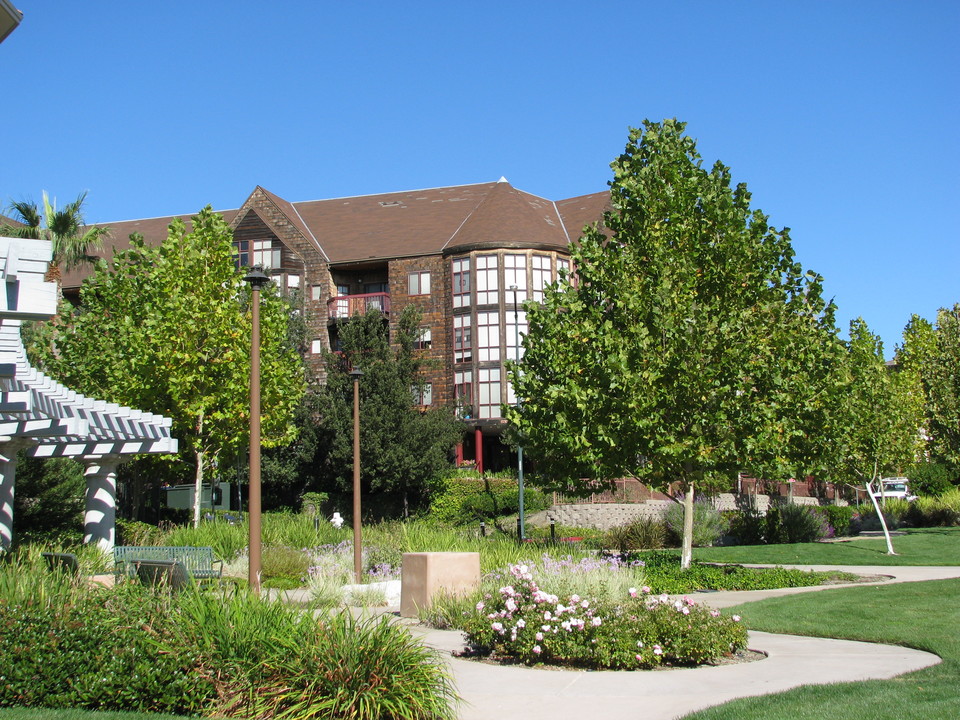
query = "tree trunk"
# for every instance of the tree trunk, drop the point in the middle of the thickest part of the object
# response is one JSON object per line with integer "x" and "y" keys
{"x": 686, "y": 556}
{"x": 198, "y": 490}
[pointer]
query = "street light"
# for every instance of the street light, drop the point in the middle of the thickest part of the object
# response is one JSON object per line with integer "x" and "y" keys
{"x": 516, "y": 325}
{"x": 257, "y": 279}
{"x": 356, "y": 374}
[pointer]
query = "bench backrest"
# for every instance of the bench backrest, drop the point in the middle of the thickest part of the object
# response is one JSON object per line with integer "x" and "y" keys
{"x": 192, "y": 558}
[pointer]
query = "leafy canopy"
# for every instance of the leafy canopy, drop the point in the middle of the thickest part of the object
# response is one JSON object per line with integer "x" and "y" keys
{"x": 689, "y": 341}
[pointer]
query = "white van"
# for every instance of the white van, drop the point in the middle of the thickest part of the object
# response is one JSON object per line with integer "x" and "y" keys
{"x": 896, "y": 488}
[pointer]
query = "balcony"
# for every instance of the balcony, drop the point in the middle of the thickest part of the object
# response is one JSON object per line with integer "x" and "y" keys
{"x": 346, "y": 306}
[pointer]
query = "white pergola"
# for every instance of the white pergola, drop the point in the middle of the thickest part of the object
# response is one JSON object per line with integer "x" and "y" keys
{"x": 46, "y": 419}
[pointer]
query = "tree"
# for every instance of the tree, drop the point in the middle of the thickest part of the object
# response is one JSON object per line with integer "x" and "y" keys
{"x": 167, "y": 329}
{"x": 71, "y": 239}
{"x": 879, "y": 414}
{"x": 689, "y": 343}
{"x": 942, "y": 381}
{"x": 402, "y": 447}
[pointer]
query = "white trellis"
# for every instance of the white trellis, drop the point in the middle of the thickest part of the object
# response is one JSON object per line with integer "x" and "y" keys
{"x": 46, "y": 419}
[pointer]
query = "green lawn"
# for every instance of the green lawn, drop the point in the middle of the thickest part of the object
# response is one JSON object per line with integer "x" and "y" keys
{"x": 923, "y": 615}
{"x": 920, "y": 546}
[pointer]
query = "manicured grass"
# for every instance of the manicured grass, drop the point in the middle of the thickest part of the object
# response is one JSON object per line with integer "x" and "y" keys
{"x": 922, "y": 615}
{"x": 920, "y": 546}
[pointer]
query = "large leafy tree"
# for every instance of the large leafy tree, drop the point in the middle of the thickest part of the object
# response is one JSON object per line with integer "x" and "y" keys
{"x": 942, "y": 380}
{"x": 167, "y": 329}
{"x": 690, "y": 343}
{"x": 402, "y": 447}
{"x": 879, "y": 411}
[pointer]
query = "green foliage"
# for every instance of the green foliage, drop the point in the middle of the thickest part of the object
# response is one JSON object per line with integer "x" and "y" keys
{"x": 844, "y": 519}
{"x": 167, "y": 330}
{"x": 523, "y": 623}
{"x": 878, "y": 411}
{"x": 943, "y": 511}
{"x": 205, "y": 653}
{"x": 942, "y": 381}
{"x": 401, "y": 448}
{"x": 709, "y": 524}
{"x": 748, "y": 527}
{"x": 930, "y": 478}
{"x": 48, "y": 504}
{"x": 794, "y": 524}
{"x": 281, "y": 561}
{"x": 644, "y": 533}
{"x": 136, "y": 533}
{"x": 692, "y": 343}
{"x": 465, "y": 497}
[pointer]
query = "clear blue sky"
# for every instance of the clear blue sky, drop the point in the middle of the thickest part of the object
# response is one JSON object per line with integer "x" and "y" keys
{"x": 841, "y": 116}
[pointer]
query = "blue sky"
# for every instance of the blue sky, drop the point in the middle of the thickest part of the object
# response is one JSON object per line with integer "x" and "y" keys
{"x": 841, "y": 116}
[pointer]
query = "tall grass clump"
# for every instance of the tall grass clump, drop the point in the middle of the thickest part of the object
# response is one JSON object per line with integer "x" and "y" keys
{"x": 644, "y": 533}
{"x": 795, "y": 524}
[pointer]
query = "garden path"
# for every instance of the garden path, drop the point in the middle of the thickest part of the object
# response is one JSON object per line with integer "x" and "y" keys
{"x": 508, "y": 692}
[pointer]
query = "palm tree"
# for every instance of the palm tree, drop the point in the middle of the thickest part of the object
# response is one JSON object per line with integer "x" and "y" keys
{"x": 71, "y": 239}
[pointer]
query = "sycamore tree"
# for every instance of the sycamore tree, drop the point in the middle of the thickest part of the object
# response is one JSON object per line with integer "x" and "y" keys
{"x": 942, "y": 381}
{"x": 689, "y": 343}
{"x": 403, "y": 446}
{"x": 878, "y": 421}
{"x": 167, "y": 329}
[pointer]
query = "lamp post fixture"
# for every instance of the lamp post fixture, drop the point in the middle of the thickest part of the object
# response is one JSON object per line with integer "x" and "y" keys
{"x": 516, "y": 326}
{"x": 257, "y": 279}
{"x": 356, "y": 374}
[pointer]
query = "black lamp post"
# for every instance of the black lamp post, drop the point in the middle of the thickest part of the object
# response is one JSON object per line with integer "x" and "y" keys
{"x": 516, "y": 325}
{"x": 356, "y": 374}
{"x": 257, "y": 279}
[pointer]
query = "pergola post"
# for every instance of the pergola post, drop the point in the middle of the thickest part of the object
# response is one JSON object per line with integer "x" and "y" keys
{"x": 8, "y": 475}
{"x": 100, "y": 515}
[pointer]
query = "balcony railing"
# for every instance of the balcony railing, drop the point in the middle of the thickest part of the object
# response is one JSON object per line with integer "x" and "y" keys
{"x": 346, "y": 306}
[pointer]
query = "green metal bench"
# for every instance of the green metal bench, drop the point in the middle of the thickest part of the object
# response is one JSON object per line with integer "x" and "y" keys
{"x": 199, "y": 562}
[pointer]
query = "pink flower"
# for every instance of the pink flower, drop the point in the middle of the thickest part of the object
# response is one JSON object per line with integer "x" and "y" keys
{"x": 596, "y": 622}
{"x": 521, "y": 623}
{"x": 497, "y": 627}
{"x": 538, "y": 637}
{"x": 633, "y": 592}
{"x": 547, "y": 615}
{"x": 685, "y": 611}
{"x": 640, "y": 658}
{"x": 510, "y": 605}
{"x": 714, "y": 613}
{"x": 657, "y": 650}
{"x": 645, "y": 589}
{"x": 574, "y": 599}
{"x": 537, "y": 649}
{"x": 735, "y": 618}
{"x": 480, "y": 606}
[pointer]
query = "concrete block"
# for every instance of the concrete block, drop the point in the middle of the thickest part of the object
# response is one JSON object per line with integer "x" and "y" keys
{"x": 425, "y": 574}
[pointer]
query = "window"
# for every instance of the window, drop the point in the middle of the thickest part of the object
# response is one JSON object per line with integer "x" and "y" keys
{"x": 488, "y": 336}
{"x": 515, "y": 274}
{"x": 463, "y": 393}
{"x": 513, "y": 328}
{"x": 488, "y": 390}
{"x": 422, "y": 394}
{"x": 564, "y": 264}
{"x": 316, "y": 292}
{"x": 461, "y": 282}
{"x": 487, "y": 281}
{"x": 424, "y": 339}
{"x": 316, "y": 347}
{"x": 265, "y": 254}
{"x": 462, "y": 339}
{"x": 541, "y": 275}
{"x": 418, "y": 283}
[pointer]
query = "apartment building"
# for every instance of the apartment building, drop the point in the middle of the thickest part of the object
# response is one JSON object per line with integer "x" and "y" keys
{"x": 467, "y": 256}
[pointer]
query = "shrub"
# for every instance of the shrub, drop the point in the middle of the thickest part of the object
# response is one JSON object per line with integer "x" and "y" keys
{"x": 644, "y": 533}
{"x": 280, "y": 561}
{"x": 844, "y": 519}
{"x": 930, "y": 478}
{"x": 522, "y": 623}
{"x": 134, "y": 532}
{"x": 748, "y": 527}
{"x": 709, "y": 525}
{"x": 795, "y": 524}
{"x": 932, "y": 512}
{"x": 466, "y": 498}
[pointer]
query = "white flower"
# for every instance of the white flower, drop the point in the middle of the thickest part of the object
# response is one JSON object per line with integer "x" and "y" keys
{"x": 657, "y": 650}
{"x": 596, "y": 622}
{"x": 497, "y": 627}
{"x": 574, "y": 599}
{"x": 547, "y": 615}
{"x": 480, "y": 606}
{"x": 521, "y": 623}
{"x": 537, "y": 649}
{"x": 538, "y": 637}
{"x": 735, "y": 618}
{"x": 510, "y": 605}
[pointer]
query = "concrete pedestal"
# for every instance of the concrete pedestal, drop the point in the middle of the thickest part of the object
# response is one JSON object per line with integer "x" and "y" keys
{"x": 424, "y": 574}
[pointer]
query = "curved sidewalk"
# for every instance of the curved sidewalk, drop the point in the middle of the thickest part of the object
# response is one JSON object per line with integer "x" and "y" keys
{"x": 494, "y": 692}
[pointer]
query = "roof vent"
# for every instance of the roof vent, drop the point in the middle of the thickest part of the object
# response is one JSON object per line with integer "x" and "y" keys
{"x": 390, "y": 203}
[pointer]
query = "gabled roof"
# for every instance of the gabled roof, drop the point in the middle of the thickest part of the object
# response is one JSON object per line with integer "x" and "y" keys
{"x": 405, "y": 224}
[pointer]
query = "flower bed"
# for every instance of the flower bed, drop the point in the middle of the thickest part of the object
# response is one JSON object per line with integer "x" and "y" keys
{"x": 521, "y": 623}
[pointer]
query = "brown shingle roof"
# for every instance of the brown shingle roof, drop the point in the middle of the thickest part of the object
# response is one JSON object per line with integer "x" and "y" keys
{"x": 578, "y": 212}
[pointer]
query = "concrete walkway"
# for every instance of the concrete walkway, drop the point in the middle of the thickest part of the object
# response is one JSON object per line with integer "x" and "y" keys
{"x": 494, "y": 692}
